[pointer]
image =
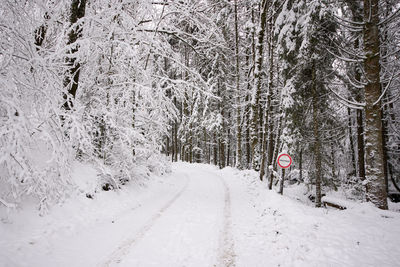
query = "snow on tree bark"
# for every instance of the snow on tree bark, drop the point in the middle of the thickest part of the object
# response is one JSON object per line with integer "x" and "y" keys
{"x": 238, "y": 102}
{"x": 375, "y": 180}
{"x": 255, "y": 98}
{"x": 317, "y": 140}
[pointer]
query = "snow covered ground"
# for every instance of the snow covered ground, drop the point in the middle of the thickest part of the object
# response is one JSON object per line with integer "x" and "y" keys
{"x": 198, "y": 216}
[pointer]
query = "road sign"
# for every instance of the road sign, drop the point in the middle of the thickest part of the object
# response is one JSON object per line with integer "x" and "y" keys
{"x": 284, "y": 161}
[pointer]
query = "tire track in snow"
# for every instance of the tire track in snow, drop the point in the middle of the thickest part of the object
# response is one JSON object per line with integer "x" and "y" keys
{"x": 226, "y": 255}
{"x": 123, "y": 249}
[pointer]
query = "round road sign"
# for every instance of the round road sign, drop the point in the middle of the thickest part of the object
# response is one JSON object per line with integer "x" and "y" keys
{"x": 284, "y": 161}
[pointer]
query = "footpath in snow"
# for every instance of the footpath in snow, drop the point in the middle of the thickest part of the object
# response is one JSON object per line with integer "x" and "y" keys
{"x": 198, "y": 216}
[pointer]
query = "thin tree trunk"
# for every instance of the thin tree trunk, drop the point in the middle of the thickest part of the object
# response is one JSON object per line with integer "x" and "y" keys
{"x": 360, "y": 145}
{"x": 247, "y": 117}
{"x": 215, "y": 158}
{"x": 357, "y": 16}
{"x": 172, "y": 142}
{"x": 206, "y": 153}
{"x": 238, "y": 101}
{"x": 248, "y": 92}
{"x": 228, "y": 147}
{"x": 263, "y": 149}
{"x": 392, "y": 117}
{"x": 209, "y": 152}
{"x": 301, "y": 164}
{"x": 276, "y": 149}
{"x": 221, "y": 151}
{"x": 360, "y": 129}
{"x": 352, "y": 151}
{"x": 167, "y": 147}
{"x": 384, "y": 110}
{"x": 221, "y": 131}
{"x": 317, "y": 141}
{"x": 270, "y": 147}
{"x": 384, "y": 149}
{"x": 133, "y": 118}
{"x": 268, "y": 127}
{"x": 333, "y": 167}
{"x": 176, "y": 135}
{"x": 191, "y": 147}
{"x": 248, "y": 142}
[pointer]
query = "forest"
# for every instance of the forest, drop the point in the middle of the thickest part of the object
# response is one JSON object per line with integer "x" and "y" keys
{"x": 130, "y": 85}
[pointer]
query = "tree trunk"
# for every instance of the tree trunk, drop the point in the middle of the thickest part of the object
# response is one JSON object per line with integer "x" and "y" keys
{"x": 238, "y": 102}
{"x": 249, "y": 88}
{"x": 228, "y": 147}
{"x": 301, "y": 164}
{"x": 263, "y": 149}
{"x": 221, "y": 151}
{"x": 221, "y": 139}
{"x": 173, "y": 142}
{"x": 351, "y": 141}
{"x": 360, "y": 145}
{"x": 206, "y": 153}
{"x": 176, "y": 135}
{"x": 333, "y": 167}
{"x": 215, "y": 157}
{"x": 385, "y": 109}
{"x": 167, "y": 146}
{"x": 317, "y": 141}
{"x": 384, "y": 149}
{"x": 276, "y": 149}
{"x": 71, "y": 81}
{"x": 392, "y": 118}
{"x": 255, "y": 100}
{"x": 268, "y": 127}
{"x": 360, "y": 128}
{"x": 355, "y": 7}
{"x": 376, "y": 192}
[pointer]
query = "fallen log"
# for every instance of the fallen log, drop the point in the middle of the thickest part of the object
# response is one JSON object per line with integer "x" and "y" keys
{"x": 334, "y": 203}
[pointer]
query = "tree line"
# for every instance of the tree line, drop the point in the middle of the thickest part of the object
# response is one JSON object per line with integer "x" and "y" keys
{"x": 318, "y": 79}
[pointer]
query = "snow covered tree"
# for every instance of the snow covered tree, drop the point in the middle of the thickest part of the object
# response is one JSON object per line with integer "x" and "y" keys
{"x": 369, "y": 28}
{"x": 115, "y": 120}
{"x": 304, "y": 37}
{"x": 36, "y": 155}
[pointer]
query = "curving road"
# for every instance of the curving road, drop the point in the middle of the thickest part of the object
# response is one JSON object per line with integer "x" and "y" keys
{"x": 192, "y": 228}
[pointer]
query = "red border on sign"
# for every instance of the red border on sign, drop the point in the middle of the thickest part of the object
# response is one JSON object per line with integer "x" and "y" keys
{"x": 289, "y": 163}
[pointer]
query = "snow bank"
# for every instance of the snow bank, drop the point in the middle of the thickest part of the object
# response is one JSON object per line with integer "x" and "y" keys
{"x": 283, "y": 231}
{"x": 28, "y": 239}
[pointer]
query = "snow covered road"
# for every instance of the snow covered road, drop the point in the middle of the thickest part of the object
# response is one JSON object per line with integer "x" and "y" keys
{"x": 184, "y": 221}
{"x": 191, "y": 229}
{"x": 199, "y": 216}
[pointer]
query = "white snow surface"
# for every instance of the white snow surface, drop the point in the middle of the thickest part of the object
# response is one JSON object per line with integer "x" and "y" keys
{"x": 197, "y": 215}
